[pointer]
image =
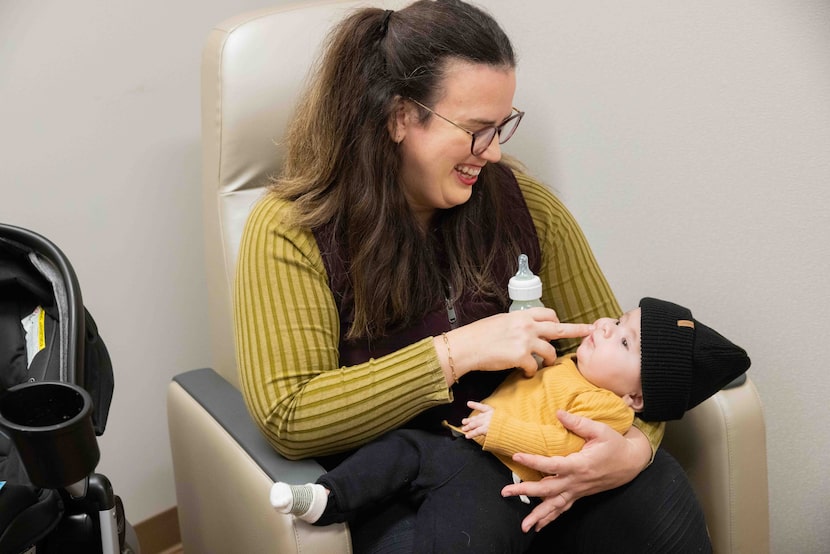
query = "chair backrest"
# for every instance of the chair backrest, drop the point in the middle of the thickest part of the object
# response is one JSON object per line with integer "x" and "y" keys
{"x": 253, "y": 67}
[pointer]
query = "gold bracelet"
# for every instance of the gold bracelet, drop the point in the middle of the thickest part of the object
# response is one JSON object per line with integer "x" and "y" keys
{"x": 449, "y": 357}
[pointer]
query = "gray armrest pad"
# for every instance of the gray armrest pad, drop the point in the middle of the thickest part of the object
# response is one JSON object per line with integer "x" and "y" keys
{"x": 225, "y": 404}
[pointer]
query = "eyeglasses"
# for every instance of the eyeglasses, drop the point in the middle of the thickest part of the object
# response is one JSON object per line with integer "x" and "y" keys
{"x": 483, "y": 137}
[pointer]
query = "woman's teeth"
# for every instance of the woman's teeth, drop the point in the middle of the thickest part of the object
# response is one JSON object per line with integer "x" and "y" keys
{"x": 468, "y": 171}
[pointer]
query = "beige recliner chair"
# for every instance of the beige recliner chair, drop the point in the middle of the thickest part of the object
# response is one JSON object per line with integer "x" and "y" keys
{"x": 253, "y": 66}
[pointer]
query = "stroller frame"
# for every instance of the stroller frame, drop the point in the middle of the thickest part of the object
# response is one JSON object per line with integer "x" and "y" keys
{"x": 92, "y": 518}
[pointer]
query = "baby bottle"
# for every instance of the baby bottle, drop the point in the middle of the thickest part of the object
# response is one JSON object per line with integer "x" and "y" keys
{"x": 524, "y": 288}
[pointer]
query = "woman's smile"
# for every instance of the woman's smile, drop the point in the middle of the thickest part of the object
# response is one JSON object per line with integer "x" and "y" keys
{"x": 468, "y": 174}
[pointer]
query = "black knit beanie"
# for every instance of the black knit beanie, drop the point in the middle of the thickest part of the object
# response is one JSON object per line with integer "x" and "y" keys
{"x": 684, "y": 362}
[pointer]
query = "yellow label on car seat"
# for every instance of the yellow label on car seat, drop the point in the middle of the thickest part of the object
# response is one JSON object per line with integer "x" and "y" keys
{"x": 34, "y": 325}
{"x": 41, "y": 329}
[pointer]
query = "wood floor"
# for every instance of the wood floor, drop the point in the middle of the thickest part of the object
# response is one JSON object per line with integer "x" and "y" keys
{"x": 160, "y": 534}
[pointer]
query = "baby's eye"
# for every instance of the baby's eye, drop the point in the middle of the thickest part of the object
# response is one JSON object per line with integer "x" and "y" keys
{"x": 625, "y": 343}
{"x": 617, "y": 322}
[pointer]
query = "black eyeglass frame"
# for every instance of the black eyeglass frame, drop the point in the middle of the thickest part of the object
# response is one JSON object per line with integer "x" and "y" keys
{"x": 494, "y": 129}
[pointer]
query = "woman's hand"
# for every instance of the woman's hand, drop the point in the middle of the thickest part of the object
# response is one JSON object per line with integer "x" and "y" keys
{"x": 478, "y": 424}
{"x": 504, "y": 341}
{"x": 606, "y": 461}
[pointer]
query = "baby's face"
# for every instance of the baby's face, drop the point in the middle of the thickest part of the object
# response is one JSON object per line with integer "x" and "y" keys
{"x": 610, "y": 356}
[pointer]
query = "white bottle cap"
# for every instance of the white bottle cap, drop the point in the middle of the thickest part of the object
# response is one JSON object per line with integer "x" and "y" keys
{"x": 524, "y": 285}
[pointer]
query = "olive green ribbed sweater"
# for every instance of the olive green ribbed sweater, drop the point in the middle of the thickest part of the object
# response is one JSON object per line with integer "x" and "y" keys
{"x": 287, "y": 333}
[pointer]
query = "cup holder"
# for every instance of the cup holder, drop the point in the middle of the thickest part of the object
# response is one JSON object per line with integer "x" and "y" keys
{"x": 50, "y": 424}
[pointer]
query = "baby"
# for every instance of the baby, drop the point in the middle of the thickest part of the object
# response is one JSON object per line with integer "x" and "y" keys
{"x": 656, "y": 361}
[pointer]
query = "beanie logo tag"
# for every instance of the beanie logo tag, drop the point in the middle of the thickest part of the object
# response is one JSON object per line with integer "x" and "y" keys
{"x": 685, "y": 323}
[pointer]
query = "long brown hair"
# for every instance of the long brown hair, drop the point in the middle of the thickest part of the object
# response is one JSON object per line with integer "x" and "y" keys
{"x": 342, "y": 167}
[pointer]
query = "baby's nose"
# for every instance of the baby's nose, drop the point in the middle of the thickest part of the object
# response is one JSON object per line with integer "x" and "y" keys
{"x": 605, "y": 327}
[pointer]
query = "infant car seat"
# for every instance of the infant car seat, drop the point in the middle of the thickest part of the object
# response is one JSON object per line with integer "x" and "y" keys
{"x": 56, "y": 385}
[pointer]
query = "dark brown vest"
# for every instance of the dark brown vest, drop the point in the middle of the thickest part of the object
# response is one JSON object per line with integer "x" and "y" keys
{"x": 473, "y": 386}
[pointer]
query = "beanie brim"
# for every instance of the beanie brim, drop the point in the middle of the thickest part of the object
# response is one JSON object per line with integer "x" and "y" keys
{"x": 666, "y": 340}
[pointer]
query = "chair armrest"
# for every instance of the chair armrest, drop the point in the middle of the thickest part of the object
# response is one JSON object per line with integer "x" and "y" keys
{"x": 224, "y": 468}
{"x": 722, "y": 446}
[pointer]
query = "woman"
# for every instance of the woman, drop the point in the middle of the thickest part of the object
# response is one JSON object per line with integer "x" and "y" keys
{"x": 371, "y": 285}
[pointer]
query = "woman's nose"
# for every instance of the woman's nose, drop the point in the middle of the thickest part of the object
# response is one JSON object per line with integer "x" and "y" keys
{"x": 493, "y": 152}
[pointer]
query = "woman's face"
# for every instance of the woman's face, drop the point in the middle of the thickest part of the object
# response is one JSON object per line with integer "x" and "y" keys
{"x": 438, "y": 171}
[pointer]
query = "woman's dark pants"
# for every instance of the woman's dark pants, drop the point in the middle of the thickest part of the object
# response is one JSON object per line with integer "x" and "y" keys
{"x": 447, "y": 499}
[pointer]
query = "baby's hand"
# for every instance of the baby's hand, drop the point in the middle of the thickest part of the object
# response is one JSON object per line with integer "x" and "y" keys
{"x": 479, "y": 424}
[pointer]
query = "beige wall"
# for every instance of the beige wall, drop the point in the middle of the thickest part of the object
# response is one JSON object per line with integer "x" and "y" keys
{"x": 692, "y": 141}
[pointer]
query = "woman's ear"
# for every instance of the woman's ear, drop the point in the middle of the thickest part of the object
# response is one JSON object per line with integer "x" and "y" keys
{"x": 634, "y": 401}
{"x": 398, "y": 120}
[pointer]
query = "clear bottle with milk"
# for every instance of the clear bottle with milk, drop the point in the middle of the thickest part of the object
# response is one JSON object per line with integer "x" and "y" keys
{"x": 524, "y": 288}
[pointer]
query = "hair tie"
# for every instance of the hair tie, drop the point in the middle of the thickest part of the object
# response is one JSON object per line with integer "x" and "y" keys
{"x": 384, "y": 26}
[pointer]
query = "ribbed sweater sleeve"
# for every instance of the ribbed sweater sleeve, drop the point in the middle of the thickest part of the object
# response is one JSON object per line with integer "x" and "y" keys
{"x": 287, "y": 333}
{"x": 572, "y": 282}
